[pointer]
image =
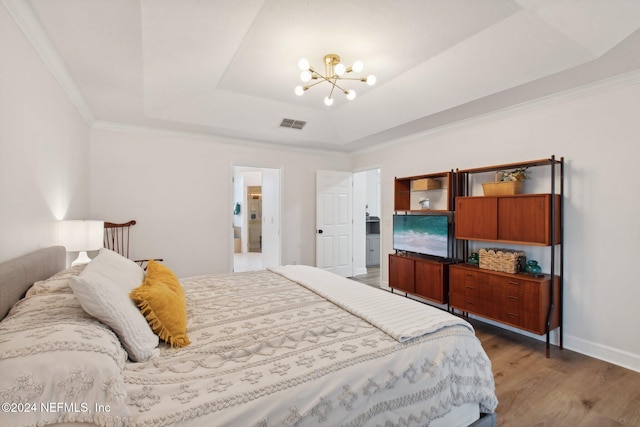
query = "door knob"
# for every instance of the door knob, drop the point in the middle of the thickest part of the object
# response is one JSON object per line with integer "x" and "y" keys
{"x": 319, "y": 231}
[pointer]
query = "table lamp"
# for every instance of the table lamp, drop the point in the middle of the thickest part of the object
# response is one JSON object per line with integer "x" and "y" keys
{"x": 81, "y": 236}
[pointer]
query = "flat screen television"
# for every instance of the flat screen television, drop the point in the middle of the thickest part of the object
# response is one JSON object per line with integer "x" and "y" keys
{"x": 422, "y": 234}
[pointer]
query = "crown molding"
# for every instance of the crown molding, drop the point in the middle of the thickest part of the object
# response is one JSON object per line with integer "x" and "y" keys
{"x": 609, "y": 84}
{"x": 28, "y": 22}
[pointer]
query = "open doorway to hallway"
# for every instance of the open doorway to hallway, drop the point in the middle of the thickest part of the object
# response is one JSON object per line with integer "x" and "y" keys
{"x": 367, "y": 221}
{"x": 256, "y": 218}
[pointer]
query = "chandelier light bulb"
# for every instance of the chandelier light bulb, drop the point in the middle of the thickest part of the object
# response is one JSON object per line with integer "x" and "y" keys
{"x": 299, "y": 90}
{"x": 357, "y": 66}
{"x": 371, "y": 80}
{"x": 328, "y": 101}
{"x": 305, "y": 76}
{"x": 339, "y": 69}
{"x": 351, "y": 94}
{"x": 303, "y": 64}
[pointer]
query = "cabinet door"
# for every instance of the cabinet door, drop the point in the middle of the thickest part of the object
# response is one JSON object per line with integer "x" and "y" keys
{"x": 524, "y": 219}
{"x": 477, "y": 218}
{"x": 373, "y": 249}
{"x": 429, "y": 280}
{"x": 401, "y": 273}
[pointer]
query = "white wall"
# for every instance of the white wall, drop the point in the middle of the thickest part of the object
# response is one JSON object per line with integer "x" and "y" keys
{"x": 179, "y": 190}
{"x": 598, "y": 133}
{"x": 44, "y": 148}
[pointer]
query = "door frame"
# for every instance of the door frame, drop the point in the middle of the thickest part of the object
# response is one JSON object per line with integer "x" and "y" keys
{"x": 234, "y": 167}
{"x": 360, "y": 221}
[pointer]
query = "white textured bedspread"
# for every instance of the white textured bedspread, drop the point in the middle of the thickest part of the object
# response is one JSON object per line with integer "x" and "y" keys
{"x": 268, "y": 352}
{"x": 400, "y": 317}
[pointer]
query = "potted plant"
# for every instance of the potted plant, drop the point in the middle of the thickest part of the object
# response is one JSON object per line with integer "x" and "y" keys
{"x": 506, "y": 183}
{"x": 514, "y": 175}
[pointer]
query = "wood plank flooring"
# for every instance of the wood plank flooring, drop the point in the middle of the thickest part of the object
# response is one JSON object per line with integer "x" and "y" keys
{"x": 568, "y": 389}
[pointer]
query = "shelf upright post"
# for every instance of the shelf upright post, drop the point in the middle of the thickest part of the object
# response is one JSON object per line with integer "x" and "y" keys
{"x": 553, "y": 254}
{"x": 561, "y": 302}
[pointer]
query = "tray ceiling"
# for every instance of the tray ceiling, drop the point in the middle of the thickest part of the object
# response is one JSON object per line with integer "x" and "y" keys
{"x": 229, "y": 67}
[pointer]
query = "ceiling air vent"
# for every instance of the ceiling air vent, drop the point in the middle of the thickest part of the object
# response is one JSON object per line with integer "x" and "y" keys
{"x": 293, "y": 124}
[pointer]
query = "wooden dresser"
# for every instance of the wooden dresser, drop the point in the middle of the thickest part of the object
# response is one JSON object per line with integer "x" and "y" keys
{"x": 519, "y": 300}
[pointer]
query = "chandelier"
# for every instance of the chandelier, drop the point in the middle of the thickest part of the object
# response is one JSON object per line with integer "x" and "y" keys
{"x": 334, "y": 74}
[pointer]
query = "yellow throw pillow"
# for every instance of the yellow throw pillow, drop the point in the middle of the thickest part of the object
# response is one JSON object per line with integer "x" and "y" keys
{"x": 162, "y": 302}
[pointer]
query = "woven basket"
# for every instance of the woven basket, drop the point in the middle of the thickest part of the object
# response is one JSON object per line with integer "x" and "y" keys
{"x": 505, "y": 260}
{"x": 502, "y": 188}
{"x": 425, "y": 184}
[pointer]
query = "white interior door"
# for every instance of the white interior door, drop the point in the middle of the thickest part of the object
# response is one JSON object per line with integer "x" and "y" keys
{"x": 334, "y": 222}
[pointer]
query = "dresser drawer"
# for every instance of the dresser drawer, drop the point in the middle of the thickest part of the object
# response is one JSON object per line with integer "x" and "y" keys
{"x": 518, "y": 300}
{"x": 470, "y": 290}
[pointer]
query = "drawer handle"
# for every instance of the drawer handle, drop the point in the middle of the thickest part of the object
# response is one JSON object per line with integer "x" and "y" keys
{"x": 469, "y": 287}
{"x": 469, "y": 303}
{"x": 513, "y": 315}
{"x": 512, "y": 298}
{"x": 514, "y": 283}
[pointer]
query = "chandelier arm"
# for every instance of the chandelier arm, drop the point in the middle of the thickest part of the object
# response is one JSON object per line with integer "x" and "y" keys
{"x": 313, "y": 84}
{"x": 336, "y": 85}
{"x": 352, "y": 78}
{"x": 333, "y": 86}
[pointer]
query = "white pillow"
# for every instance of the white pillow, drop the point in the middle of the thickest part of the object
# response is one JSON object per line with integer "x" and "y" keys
{"x": 103, "y": 291}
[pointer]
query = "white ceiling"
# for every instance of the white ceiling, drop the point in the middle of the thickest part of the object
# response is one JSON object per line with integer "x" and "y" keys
{"x": 229, "y": 67}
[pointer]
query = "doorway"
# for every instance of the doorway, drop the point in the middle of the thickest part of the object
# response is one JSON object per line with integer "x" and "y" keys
{"x": 367, "y": 224}
{"x": 256, "y": 207}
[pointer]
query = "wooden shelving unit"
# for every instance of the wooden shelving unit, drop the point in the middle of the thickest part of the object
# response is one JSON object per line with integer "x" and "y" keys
{"x": 422, "y": 276}
{"x": 523, "y": 219}
{"x": 436, "y": 187}
{"x": 531, "y": 303}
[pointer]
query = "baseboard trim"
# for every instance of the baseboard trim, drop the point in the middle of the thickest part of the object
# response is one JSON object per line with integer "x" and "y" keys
{"x": 579, "y": 345}
{"x": 608, "y": 354}
{"x": 360, "y": 271}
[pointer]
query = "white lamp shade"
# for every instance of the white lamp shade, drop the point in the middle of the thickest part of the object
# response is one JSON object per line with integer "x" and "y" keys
{"x": 81, "y": 235}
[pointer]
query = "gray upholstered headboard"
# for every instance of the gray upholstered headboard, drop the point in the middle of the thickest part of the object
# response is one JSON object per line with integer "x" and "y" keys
{"x": 17, "y": 275}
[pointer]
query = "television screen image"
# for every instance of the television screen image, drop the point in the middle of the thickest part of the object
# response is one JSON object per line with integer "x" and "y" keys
{"x": 423, "y": 234}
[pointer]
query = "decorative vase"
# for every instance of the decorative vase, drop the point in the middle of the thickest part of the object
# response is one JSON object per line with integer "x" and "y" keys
{"x": 533, "y": 267}
{"x": 474, "y": 258}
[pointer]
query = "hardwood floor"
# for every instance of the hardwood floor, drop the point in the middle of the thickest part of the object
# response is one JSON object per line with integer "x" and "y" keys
{"x": 568, "y": 389}
{"x": 371, "y": 278}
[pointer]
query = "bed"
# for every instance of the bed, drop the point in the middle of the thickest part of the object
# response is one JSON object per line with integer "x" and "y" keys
{"x": 293, "y": 345}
